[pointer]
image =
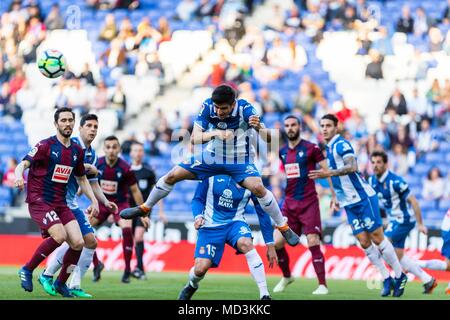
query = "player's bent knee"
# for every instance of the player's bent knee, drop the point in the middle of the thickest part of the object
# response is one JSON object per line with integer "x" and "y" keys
{"x": 245, "y": 245}
{"x": 90, "y": 242}
{"x": 313, "y": 240}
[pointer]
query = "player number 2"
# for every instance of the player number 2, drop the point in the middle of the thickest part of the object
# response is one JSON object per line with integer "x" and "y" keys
{"x": 211, "y": 250}
{"x": 52, "y": 216}
{"x": 356, "y": 225}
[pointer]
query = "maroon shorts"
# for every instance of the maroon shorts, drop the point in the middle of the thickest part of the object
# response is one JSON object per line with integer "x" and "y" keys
{"x": 46, "y": 215}
{"x": 303, "y": 215}
{"x": 104, "y": 212}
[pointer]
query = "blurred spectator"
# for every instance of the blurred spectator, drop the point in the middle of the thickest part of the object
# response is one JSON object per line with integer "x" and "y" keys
{"x": 100, "y": 100}
{"x": 277, "y": 19}
{"x": 9, "y": 179}
{"x": 109, "y": 30}
{"x": 434, "y": 95}
{"x": 374, "y": 69}
{"x": 446, "y": 14}
{"x": 147, "y": 35}
{"x": 17, "y": 81}
{"x": 434, "y": 186}
{"x": 397, "y": 102}
{"x": 119, "y": 103}
{"x": 270, "y": 101}
{"x": 435, "y": 40}
{"x": 426, "y": 139}
{"x": 313, "y": 22}
{"x": 164, "y": 29}
{"x": 399, "y": 160}
{"x": 280, "y": 56}
{"x": 304, "y": 103}
{"x": 235, "y": 31}
{"x": 115, "y": 55}
{"x": 402, "y": 138}
{"x": 384, "y": 43}
{"x": 127, "y": 4}
{"x": 204, "y": 9}
{"x": 4, "y": 74}
{"x": 186, "y": 9}
{"x": 405, "y": 23}
{"x": 126, "y": 144}
{"x": 383, "y": 136}
{"x": 54, "y": 20}
{"x": 13, "y": 109}
{"x": 422, "y": 22}
{"x": 417, "y": 106}
{"x": 364, "y": 43}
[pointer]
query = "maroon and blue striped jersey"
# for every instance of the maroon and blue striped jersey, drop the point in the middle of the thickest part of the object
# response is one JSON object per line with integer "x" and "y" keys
{"x": 52, "y": 165}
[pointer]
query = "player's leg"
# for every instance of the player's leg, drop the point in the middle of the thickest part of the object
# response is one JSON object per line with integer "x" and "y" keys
{"x": 283, "y": 262}
{"x": 196, "y": 274}
{"x": 138, "y": 232}
{"x": 70, "y": 259}
{"x": 46, "y": 277}
{"x": 97, "y": 221}
{"x": 127, "y": 245}
{"x": 318, "y": 260}
{"x": 53, "y": 232}
{"x": 90, "y": 244}
{"x": 255, "y": 265}
{"x": 162, "y": 188}
{"x": 270, "y": 205}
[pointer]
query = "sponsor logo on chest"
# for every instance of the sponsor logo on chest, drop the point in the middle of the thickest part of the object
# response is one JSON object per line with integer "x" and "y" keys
{"x": 61, "y": 174}
{"x": 109, "y": 187}
{"x": 226, "y": 199}
{"x": 292, "y": 170}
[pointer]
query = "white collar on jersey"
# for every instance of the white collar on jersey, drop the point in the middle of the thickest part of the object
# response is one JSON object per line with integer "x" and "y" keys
{"x": 136, "y": 168}
{"x": 333, "y": 140}
{"x": 383, "y": 176}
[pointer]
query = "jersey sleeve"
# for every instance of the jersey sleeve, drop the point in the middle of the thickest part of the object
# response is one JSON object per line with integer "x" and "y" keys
{"x": 264, "y": 222}
{"x": 401, "y": 187}
{"x": 37, "y": 153}
{"x": 130, "y": 177}
{"x": 317, "y": 154}
{"x": 248, "y": 111}
{"x": 199, "y": 200}
{"x": 92, "y": 177}
{"x": 344, "y": 149}
{"x": 79, "y": 168}
{"x": 203, "y": 117}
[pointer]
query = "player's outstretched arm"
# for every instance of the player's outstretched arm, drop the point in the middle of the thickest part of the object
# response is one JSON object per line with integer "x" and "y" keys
{"x": 418, "y": 213}
{"x": 350, "y": 166}
{"x": 87, "y": 190}
{"x": 18, "y": 172}
{"x": 199, "y": 136}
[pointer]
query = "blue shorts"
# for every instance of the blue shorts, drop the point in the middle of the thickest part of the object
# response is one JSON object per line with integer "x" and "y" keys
{"x": 211, "y": 241}
{"x": 397, "y": 233}
{"x": 445, "y": 251}
{"x": 203, "y": 170}
{"x": 85, "y": 226}
{"x": 364, "y": 215}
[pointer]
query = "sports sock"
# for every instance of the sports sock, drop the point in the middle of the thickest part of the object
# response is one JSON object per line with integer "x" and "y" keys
{"x": 433, "y": 264}
{"x": 194, "y": 279}
{"x": 127, "y": 245}
{"x": 43, "y": 251}
{"x": 270, "y": 206}
{"x": 388, "y": 253}
{"x": 139, "y": 249}
{"x": 374, "y": 256}
{"x": 256, "y": 267}
{"x": 283, "y": 262}
{"x": 83, "y": 265}
{"x": 95, "y": 260}
{"x": 412, "y": 266}
{"x": 161, "y": 190}
{"x": 57, "y": 261}
{"x": 70, "y": 261}
{"x": 319, "y": 263}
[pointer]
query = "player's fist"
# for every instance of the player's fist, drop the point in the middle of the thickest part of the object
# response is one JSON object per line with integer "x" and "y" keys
{"x": 90, "y": 169}
{"x": 146, "y": 222}
{"x": 422, "y": 228}
{"x": 93, "y": 210}
{"x": 111, "y": 206}
{"x": 199, "y": 222}
{"x": 225, "y": 134}
{"x": 19, "y": 184}
{"x": 255, "y": 122}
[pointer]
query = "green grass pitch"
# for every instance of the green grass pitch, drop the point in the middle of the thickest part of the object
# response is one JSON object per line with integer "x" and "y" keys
{"x": 166, "y": 286}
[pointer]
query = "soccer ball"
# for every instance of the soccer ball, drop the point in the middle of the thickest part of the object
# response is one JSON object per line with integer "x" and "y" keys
{"x": 51, "y": 63}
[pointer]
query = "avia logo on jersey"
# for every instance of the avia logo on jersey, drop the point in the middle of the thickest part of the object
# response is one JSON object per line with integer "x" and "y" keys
{"x": 109, "y": 187}
{"x": 226, "y": 199}
{"x": 61, "y": 174}
{"x": 292, "y": 170}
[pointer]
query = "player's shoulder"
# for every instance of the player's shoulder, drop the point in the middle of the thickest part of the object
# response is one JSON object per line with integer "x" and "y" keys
{"x": 76, "y": 147}
{"x": 243, "y": 103}
{"x": 75, "y": 140}
{"x": 283, "y": 148}
{"x": 148, "y": 168}
{"x": 124, "y": 164}
{"x": 310, "y": 144}
{"x": 101, "y": 161}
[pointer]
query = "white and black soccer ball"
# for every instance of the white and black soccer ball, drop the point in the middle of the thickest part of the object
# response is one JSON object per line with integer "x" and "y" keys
{"x": 51, "y": 63}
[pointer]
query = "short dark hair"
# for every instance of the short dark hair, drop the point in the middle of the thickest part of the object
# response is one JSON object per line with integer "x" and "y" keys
{"x": 136, "y": 143}
{"x": 332, "y": 117}
{"x": 291, "y": 116}
{"x": 61, "y": 110}
{"x": 383, "y": 155}
{"x": 112, "y": 138}
{"x": 223, "y": 94}
{"x": 87, "y": 117}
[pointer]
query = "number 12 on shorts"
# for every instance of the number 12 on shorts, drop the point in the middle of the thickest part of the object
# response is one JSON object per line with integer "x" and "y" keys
{"x": 211, "y": 250}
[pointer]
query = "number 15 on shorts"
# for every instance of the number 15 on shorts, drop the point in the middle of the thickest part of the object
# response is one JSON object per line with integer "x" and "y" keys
{"x": 211, "y": 250}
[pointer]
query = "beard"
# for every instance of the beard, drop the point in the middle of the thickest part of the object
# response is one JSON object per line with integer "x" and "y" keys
{"x": 64, "y": 134}
{"x": 293, "y": 136}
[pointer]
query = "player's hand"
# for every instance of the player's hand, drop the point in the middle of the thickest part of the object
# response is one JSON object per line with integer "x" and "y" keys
{"x": 199, "y": 222}
{"x": 422, "y": 228}
{"x": 111, "y": 206}
{"x": 255, "y": 122}
{"x": 225, "y": 134}
{"x": 334, "y": 204}
{"x": 90, "y": 169}
{"x": 93, "y": 210}
{"x": 319, "y": 174}
{"x": 271, "y": 255}
{"x": 146, "y": 222}
{"x": 19, "y": 184}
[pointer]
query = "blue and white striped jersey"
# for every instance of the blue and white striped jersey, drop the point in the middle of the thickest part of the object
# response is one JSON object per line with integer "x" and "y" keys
{"x": 393, "y": 193}
{"x": 241, "y": 149}
{"x": 351, "y": 188}
{"x": 89, "y": 157}
{"x": 221, "y": 201}
{"x": 445, "y": 227}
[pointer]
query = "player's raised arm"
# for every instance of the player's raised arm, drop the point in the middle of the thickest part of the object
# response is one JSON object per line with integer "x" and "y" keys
{"x": 345, "y": 150}
{"x": 18, "y": 172}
